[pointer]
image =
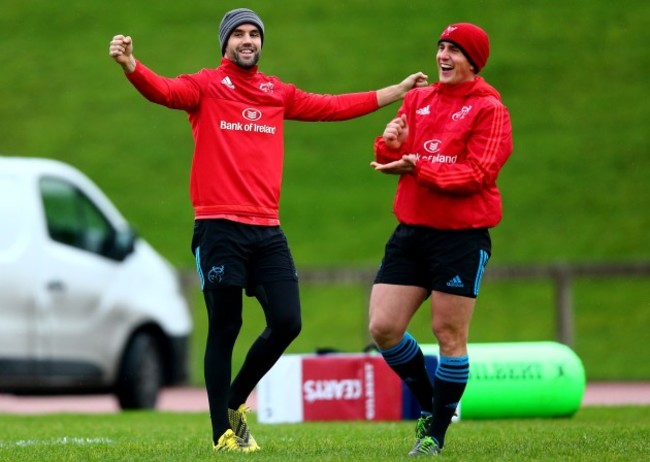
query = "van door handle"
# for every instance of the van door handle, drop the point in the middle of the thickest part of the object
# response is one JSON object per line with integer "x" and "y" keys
{"x": 55, "y": 286}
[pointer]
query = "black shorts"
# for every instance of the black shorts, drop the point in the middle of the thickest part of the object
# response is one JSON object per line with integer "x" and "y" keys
{"x": 450, "y": 261}
{"x": 228, "y": 253}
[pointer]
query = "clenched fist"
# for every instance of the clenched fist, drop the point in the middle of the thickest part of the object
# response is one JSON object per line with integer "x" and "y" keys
{"x": 121, "y": 50}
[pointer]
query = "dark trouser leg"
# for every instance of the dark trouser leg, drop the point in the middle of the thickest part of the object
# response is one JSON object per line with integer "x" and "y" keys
{"x": 224, "y": 322}
{"x": 281, "y": 304}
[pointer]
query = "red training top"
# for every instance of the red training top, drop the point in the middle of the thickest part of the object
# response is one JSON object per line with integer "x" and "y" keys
{"x": 462, "y": 137}
{"x": 237, "y": 118}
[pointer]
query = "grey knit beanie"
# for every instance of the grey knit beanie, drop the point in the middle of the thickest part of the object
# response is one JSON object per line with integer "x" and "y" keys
{"x": 235, "y": 18}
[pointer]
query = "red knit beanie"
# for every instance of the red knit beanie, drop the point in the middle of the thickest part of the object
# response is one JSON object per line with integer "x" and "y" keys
{"x": 472, "y": 41}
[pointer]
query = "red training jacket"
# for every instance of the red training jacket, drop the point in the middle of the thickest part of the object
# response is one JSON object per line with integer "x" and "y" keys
{"x": 237, "y": 123}
{"x": 462, "y": 137}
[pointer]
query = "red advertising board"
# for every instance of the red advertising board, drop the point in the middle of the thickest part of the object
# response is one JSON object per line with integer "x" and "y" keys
{"x": 350, "y": 387}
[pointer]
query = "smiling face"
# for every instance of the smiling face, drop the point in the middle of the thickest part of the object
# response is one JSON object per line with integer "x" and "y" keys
{"x": 453, "y": 65}
{"x": 244, "y": 46}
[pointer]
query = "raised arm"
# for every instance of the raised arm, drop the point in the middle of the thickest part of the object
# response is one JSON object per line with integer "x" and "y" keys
{"x": 176, "y": 93}
{"x": 121, "y": 50}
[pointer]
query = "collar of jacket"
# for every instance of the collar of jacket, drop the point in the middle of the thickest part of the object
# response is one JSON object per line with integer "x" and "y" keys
{"x": 476, "y": 87}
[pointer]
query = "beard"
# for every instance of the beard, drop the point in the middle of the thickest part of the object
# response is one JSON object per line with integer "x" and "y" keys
{"x": 246, "y": 62}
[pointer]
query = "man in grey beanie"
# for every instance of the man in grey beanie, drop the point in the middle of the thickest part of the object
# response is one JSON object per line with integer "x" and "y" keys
{"x": 237, "y": 116}
{"x": 235, "y": 18}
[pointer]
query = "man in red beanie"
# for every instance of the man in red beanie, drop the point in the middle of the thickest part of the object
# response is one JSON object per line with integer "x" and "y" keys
{"x": 447, "y": 143}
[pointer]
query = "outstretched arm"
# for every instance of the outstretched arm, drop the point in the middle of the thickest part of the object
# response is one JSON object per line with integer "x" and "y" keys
{"x": 396, "y": 92}
{"x": 321, "y": 107}
{"x": 121, "y": 50}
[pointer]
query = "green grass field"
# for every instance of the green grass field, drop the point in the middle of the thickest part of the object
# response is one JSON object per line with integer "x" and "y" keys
{"x": 599, "y": 433}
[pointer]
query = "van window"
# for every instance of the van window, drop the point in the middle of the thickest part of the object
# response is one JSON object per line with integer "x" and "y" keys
{"x": 73, "y": 219}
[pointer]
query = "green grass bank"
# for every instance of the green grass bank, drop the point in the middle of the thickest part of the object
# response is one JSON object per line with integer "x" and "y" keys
{"x": 573, "y": 74}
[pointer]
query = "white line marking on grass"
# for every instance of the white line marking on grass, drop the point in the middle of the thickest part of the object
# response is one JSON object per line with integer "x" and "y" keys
{"x": 55, "y": 442}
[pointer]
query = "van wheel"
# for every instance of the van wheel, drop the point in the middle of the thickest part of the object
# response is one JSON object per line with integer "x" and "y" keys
{"x": 140, "y": 375}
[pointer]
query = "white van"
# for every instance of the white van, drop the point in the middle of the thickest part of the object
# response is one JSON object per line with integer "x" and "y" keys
{"x": 86, "y": 306}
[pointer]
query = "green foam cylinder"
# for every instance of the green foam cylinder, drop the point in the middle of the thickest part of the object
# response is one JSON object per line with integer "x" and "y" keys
{"x": 521, "y": 379}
